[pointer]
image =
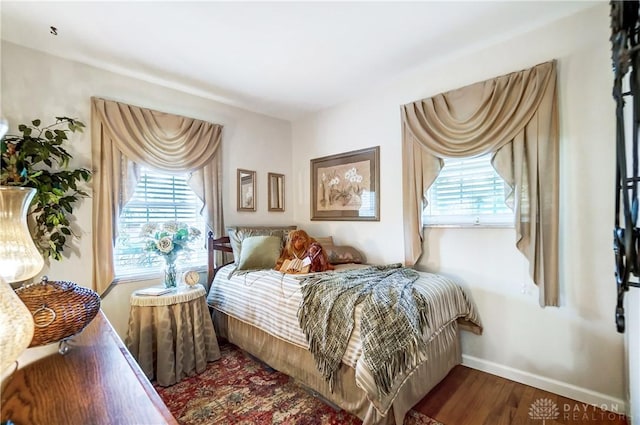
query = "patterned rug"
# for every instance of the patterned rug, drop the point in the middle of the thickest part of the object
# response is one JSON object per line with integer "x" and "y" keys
{"x": 239, "y": 390}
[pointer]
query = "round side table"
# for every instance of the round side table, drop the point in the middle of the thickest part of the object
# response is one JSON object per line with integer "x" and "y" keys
{"x": 173, "y": 332}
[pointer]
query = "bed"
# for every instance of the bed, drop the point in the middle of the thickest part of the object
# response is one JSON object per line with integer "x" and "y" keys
{"x": 257, "y": 310}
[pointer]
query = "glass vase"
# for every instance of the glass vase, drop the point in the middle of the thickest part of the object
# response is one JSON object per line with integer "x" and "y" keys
{"x": 170, "y": 274}
{"x": 19, "y": 257}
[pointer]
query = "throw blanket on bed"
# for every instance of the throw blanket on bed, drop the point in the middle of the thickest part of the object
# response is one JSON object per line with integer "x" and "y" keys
{"x": 392, "y": 324}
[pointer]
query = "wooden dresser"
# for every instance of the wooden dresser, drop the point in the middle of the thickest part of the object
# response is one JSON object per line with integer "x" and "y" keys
{"x": 96, "y": 382}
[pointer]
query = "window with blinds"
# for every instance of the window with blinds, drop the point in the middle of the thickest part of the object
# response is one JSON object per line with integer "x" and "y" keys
{"x": 158, "y": 198}
{"x": 467, "y": 192}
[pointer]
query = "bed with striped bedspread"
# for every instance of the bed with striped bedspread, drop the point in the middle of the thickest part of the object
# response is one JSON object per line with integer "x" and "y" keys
{"x": 270, "y": 300}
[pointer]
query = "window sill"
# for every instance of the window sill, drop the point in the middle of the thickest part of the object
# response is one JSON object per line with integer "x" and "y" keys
{"x": 470, "y": 226}
{"x": 136, "y": 278}
{"x": 152, "y": 276}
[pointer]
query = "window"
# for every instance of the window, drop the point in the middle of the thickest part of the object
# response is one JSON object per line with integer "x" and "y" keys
{"x": 158, "y": 198}
{"x": 467, "y": 192}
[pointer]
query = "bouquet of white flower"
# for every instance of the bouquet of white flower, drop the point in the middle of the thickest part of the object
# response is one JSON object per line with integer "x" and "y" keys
{"x": 168, "y": 240}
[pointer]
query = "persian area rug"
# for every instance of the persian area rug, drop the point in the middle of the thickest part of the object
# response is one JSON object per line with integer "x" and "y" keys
{"x": 239, "y": 390}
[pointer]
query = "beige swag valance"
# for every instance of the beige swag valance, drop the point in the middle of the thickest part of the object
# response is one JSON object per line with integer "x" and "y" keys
{"x": 123, "y": 137}
{"x": 515, "y": 117}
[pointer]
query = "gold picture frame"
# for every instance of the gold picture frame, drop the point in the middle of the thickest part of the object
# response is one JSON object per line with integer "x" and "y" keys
{"x": 346, "y": 186}
{"x": 246, "y": 190}
{"x": 275, "y": 183}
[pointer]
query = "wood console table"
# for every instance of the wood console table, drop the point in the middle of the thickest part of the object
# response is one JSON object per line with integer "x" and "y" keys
{"x": 96, "y": 382}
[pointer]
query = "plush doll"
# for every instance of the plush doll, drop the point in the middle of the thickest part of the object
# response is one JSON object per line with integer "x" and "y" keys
{"x": 302, "y": 254}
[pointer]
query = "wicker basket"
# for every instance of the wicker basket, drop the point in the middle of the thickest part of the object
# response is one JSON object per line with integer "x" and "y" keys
{"x": 60, "y": 309}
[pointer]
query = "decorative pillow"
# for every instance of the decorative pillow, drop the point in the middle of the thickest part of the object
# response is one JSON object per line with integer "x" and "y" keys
{"x": 259, "y": 252}
{"x": 342, "y": 254}
{"x": 238, "y": 233}
{"x": 324, "y": 241}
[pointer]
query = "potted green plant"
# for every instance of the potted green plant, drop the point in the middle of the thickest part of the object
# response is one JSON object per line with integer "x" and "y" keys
{"x": 36, "y": 158}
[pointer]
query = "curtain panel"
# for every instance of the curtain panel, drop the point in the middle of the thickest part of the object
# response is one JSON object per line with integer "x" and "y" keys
{"x": 124, "y": 137}
{"x": 514, "y": 117}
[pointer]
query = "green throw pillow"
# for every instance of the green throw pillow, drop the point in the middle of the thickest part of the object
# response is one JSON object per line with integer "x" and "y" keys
{"x": 238, "y": 233}
{"x": 259, "y": 252}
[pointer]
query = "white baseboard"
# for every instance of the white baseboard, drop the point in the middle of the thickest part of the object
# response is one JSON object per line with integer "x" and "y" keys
{"x": 573, "y": 392}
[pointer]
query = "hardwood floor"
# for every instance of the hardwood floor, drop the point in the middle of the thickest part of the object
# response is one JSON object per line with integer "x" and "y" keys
{"x": 470, "y": 397}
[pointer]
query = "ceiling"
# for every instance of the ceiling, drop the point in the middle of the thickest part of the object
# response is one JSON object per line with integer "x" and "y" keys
{"x": 282, "y": 59}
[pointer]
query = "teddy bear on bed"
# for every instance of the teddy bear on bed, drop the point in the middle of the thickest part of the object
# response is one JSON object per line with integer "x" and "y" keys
{"x": 302, "y": 254}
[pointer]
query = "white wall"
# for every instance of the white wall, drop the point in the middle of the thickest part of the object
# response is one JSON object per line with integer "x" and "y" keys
{"x": 37, "y": 85}
{"x": 573, "y": 350}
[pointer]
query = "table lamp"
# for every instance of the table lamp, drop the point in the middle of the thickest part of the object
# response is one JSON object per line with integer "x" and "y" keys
{"x": 19, "y": 261}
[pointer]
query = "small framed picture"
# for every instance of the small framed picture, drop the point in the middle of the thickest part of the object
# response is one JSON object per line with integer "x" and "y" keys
{"x": 246, "y": 190}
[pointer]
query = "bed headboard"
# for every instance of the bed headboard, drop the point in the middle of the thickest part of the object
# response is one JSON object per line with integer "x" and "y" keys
{"x": 223, "y": 245}
{"x": 227, "y": 244}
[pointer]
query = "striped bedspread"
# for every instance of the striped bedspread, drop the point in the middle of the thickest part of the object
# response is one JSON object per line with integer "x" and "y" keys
{"x": 269, "y": 300}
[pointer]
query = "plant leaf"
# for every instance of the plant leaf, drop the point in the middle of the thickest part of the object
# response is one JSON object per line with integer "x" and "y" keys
{"x": 39, "y": 160}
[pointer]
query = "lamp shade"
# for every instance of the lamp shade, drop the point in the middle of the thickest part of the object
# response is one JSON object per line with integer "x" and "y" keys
{"x": 19, "y": 257}
{"x": 16, "y": 326}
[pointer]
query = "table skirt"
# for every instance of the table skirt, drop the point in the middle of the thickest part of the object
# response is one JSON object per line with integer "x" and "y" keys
{"x": 171, "y": 342}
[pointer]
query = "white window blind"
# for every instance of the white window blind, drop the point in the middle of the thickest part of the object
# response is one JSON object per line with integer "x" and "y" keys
{"x": 467, "y": 191}
{"x": 158, "y": 198}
